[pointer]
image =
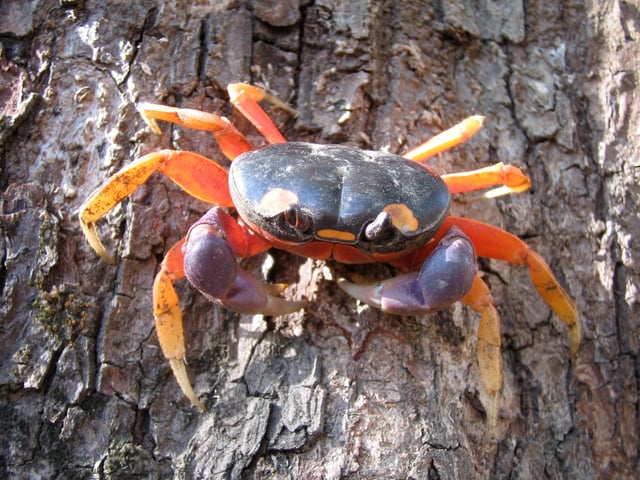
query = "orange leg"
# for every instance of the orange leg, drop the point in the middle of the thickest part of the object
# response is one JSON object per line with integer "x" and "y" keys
{"x": 231, "y": 141}
{"x": 488, "y": 346}
{"x": 446, "y": 140}
{"x": 246, "y": 97}
{"x": 197, "y": 175}
{"x": 493, "y": 242}
{"x": 511, "y": 178}
{"x": 168, "y": 318}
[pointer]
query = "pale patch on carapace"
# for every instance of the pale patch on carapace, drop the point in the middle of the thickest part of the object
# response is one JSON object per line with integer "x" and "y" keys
{"x": 402, "y": 217}
{"x": 277, "y": 200}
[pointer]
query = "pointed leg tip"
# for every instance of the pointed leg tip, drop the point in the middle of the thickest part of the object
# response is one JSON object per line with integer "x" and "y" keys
{"x": 471, "y": 125}
{"x": 492, "y": 409}
{"x": 102, "y": 252}
{"x": 108, "y": 258}
{"x": 566, "y": 310}
{"x": 575, "y": 338}
{"x": 90, "y": 233}
{"x": 180, "y": 372}
{"x": 478, "y": 119}
{"x": 148, "y": 120}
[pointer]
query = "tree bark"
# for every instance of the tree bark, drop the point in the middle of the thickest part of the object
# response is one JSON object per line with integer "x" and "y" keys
{"x": 339, "y": 391}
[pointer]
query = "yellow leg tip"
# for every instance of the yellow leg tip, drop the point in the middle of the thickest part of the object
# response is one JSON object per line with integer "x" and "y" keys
{"x": 258, "y": 94}
{"x": 471, "y": 125}
{"x": 492, "y": 409}
{"x": 89, "y": 230}
{"x": 555, "y": 296}
{"x": 180, "y": 372}
{"x": 575, "y": 336}
{"x": 151, "y": 122}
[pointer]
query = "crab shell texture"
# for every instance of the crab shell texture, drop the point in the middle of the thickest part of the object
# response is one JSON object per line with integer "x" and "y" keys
{"x": 297, "y": 193}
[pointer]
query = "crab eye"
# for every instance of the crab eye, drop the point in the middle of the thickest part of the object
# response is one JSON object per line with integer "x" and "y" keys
{"x": 296, "y": 218}
{"x": 380, "y": 229}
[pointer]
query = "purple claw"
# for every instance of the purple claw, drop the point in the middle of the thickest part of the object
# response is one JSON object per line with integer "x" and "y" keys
{"x": 248, "y": 295}
{"x": 209, "y": 263}
{"x": 211, "y": 267}
{"x": 445, "y": 277}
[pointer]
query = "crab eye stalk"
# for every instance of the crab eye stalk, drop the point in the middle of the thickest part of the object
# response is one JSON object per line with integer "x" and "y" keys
{"x": 380, "y": 229}
{"x": 293, "y": 224}
{"x": 296, "y": 218}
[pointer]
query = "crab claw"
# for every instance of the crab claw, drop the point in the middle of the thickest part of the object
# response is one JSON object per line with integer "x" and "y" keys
{"x": 248, "y": 295}
{"x": 445, "y": 277}
{"x": 207, "y": 258}
{"x": 211, "y": 267}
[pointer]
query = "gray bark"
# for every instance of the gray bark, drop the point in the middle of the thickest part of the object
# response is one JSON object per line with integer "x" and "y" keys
{"x": 340, "y": 391}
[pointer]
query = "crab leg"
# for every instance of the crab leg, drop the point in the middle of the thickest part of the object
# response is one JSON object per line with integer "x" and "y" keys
{"x": 446, "y": 140}
{"x": 197, "y": 175}
{"x": 488, "y": 344}
{"x": 207, "y": 258}
{"x": 246, "y": 97}
{"x": 168, "y": 319}
{"x": 511, "y": 178}
{"x": 493, "y": 242}
{"x": 231, "y": 142}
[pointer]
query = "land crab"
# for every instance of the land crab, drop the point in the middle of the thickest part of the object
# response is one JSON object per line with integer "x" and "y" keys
{"x": 327, "y": 201}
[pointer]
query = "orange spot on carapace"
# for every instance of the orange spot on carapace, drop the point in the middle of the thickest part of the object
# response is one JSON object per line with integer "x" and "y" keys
{"x": 329, "y": 234}
{"x": 402, "y": 217}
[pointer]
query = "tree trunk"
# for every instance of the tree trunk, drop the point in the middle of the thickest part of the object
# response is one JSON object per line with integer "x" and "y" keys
{"x": 340, "y": 391}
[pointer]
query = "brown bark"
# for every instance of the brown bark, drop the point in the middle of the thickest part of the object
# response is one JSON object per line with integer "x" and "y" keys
{"x": 340, "y": 391}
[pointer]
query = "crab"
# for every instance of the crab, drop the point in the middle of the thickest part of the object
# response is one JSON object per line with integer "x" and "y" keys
{"x": 327, "y": 201}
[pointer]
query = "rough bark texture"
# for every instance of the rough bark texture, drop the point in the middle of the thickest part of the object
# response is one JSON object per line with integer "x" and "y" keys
{"x": 340, "y": 391}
